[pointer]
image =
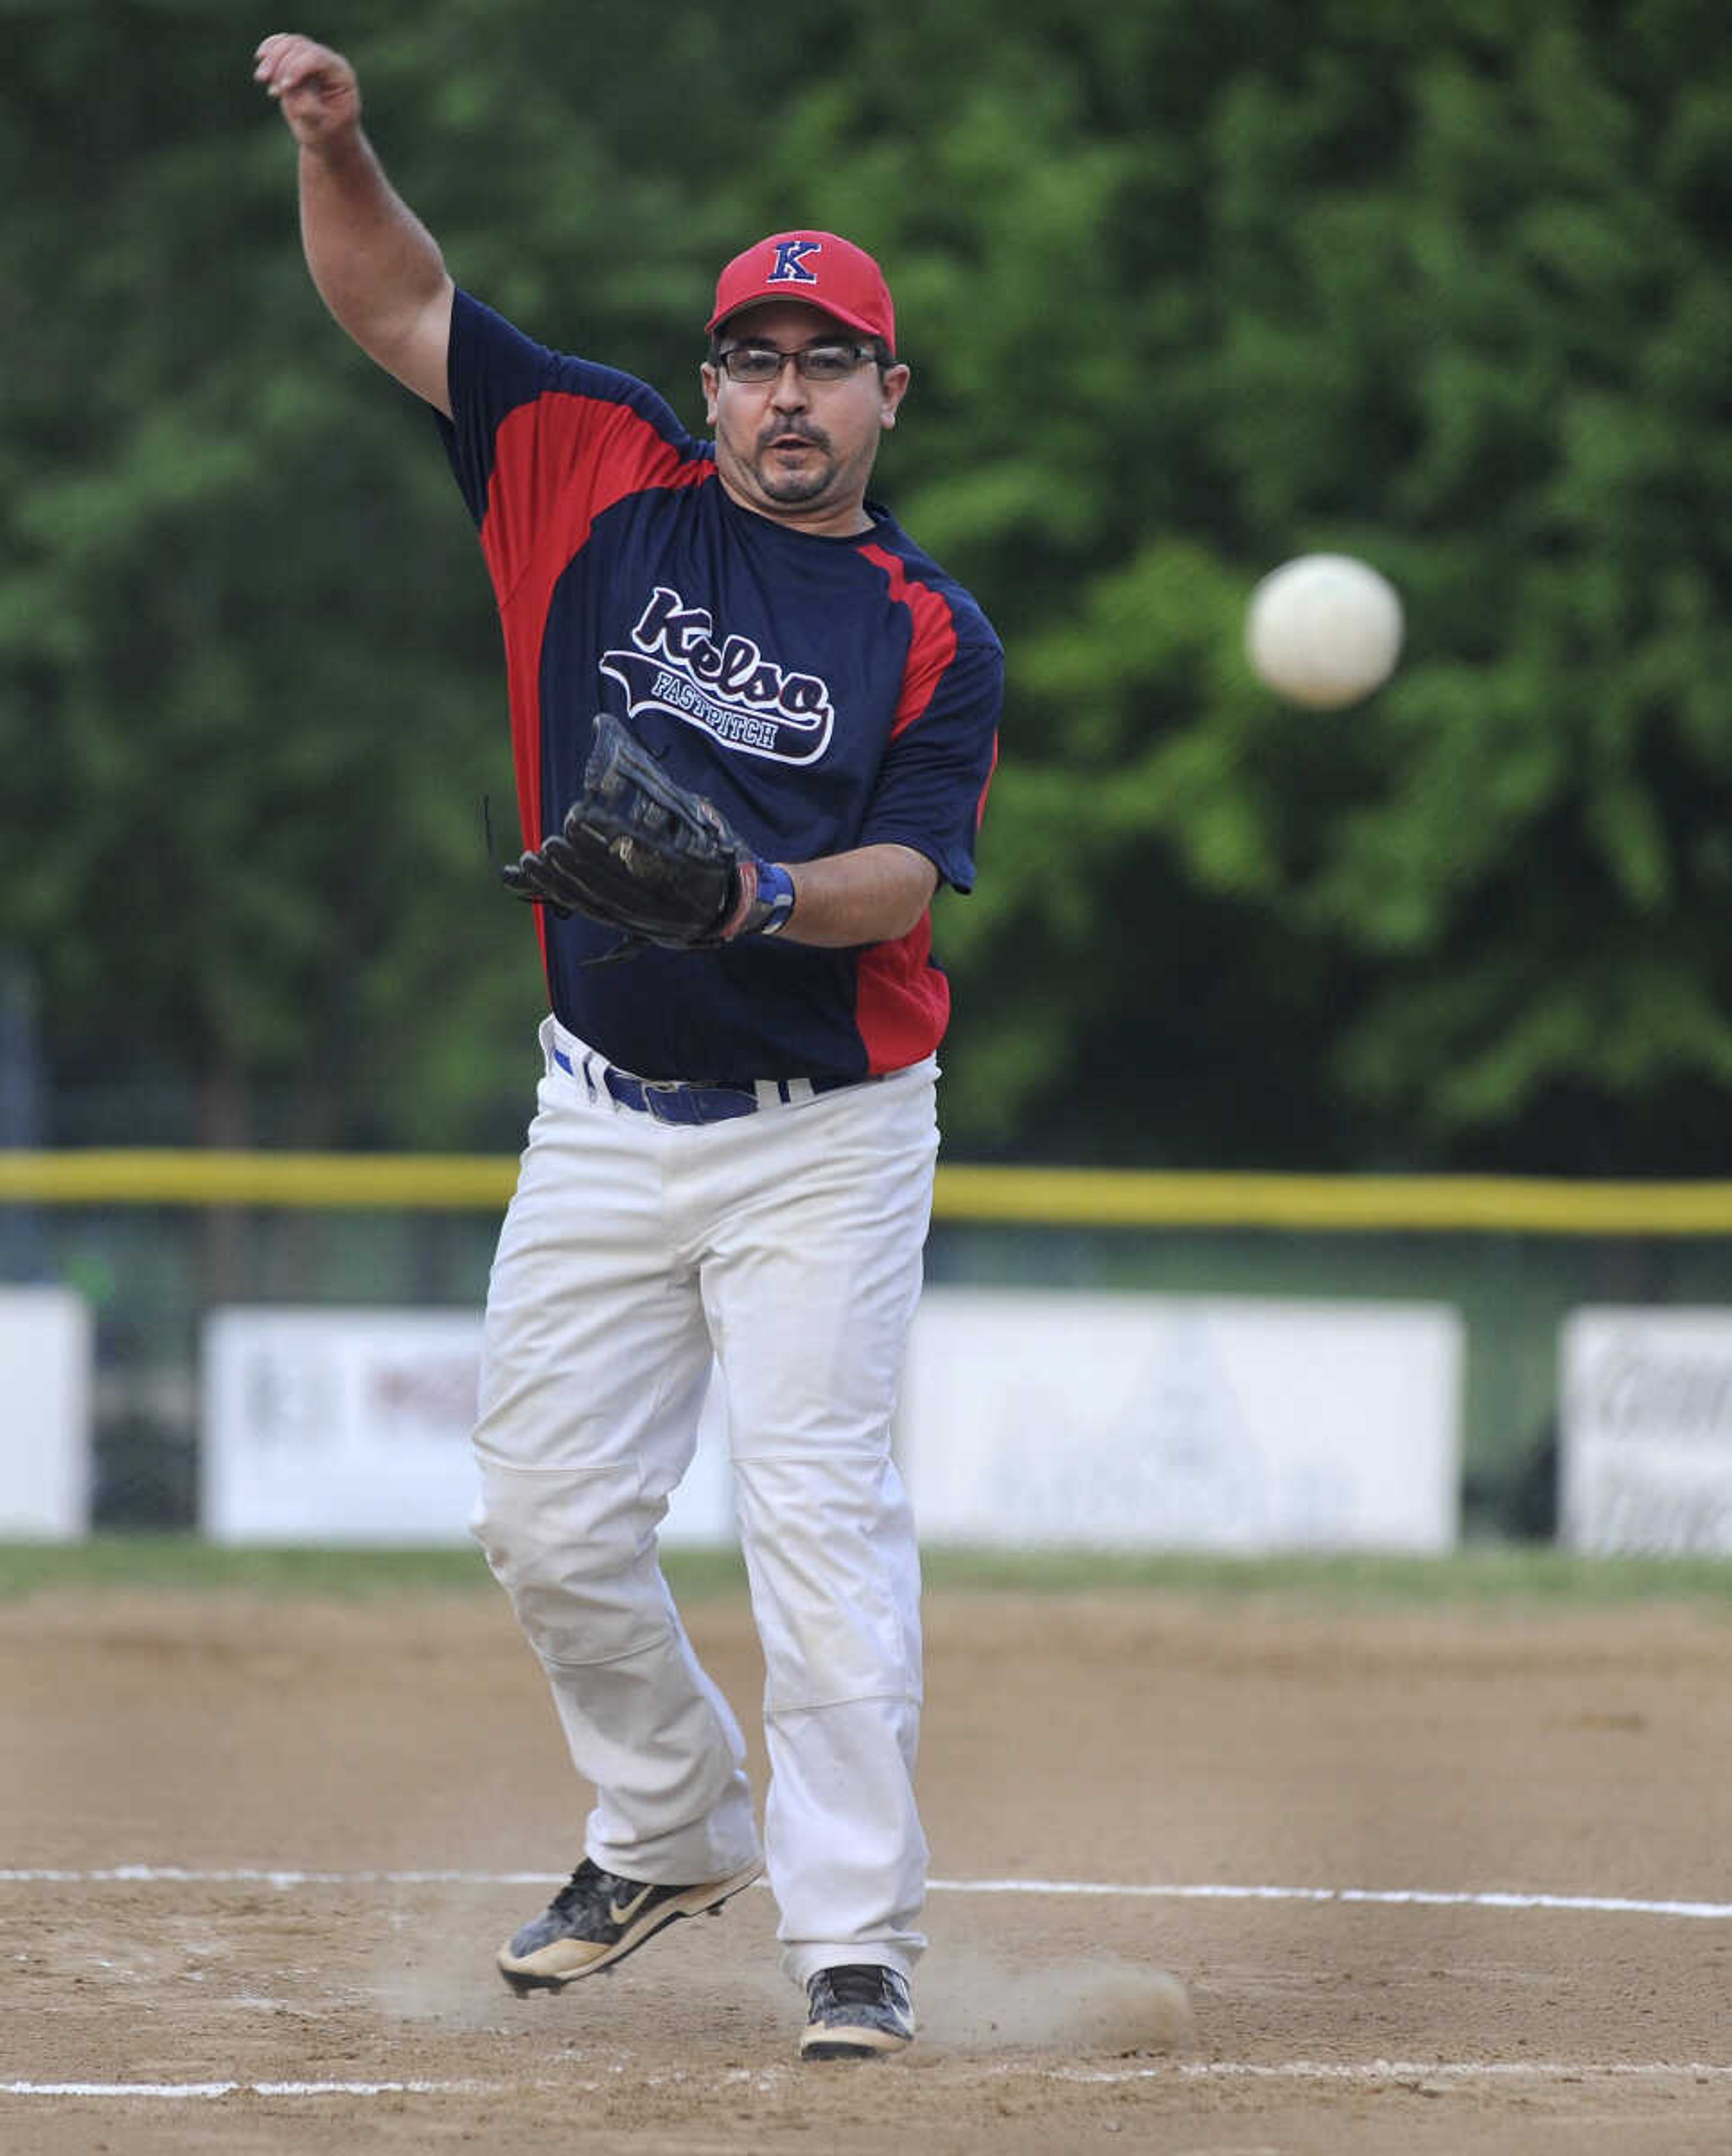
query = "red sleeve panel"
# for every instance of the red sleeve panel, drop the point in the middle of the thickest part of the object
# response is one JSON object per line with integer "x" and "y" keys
{"x": 558, "y": 463}
{"x": 930, "y": 795}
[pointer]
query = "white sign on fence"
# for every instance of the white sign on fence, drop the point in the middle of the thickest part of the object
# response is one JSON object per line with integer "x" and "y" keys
{"x": 1026, "y": 1418}
{"x": 1645, "y": 1451}
{"x": 353, "y": 1426}
{"x": 1228, "y": 1423}
{"x": 46, "y": 1351}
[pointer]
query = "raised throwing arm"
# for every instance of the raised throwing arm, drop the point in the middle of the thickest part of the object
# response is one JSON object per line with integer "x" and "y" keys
{"x": 376, "y": 265}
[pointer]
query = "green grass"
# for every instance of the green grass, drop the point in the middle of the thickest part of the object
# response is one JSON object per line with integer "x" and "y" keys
{"x": 1500, "y": 1573}
{"x": 1493, "y": 1575}
{"x": 183, "y": 1561}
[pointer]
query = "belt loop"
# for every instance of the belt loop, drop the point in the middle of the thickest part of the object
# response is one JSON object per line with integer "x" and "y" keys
{"x": 589, "y": 1075}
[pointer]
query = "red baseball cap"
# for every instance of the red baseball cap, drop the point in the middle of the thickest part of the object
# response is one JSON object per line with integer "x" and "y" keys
{"x": 816, "y": 268}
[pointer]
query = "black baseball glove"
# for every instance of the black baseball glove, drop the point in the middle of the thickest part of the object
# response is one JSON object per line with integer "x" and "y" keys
{"x": 640, "y": 853}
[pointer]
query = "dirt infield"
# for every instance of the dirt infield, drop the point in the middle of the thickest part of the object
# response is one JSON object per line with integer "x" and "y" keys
{"x": 1284, "y": 1786}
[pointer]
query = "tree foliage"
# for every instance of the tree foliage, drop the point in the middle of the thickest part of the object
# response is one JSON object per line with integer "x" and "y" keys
{"x": 1185, "y": 291}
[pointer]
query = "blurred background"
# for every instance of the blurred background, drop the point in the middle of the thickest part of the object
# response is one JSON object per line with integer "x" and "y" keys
{"x": 1186, "y": 291}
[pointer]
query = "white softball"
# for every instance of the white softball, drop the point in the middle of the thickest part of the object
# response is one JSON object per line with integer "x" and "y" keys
{"x": 1324, "y": 630}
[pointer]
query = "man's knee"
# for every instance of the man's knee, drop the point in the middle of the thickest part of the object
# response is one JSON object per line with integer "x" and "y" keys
{"x": 575, "y": 1553}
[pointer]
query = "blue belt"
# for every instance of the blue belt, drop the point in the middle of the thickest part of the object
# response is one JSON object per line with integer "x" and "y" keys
{"x": 672, "y": 1101}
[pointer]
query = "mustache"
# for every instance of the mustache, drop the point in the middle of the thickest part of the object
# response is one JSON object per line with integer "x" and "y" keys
{"x": 800, "y": 430}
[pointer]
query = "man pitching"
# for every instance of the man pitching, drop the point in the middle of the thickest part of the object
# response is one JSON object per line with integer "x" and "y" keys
{"x": 753, "y": 726}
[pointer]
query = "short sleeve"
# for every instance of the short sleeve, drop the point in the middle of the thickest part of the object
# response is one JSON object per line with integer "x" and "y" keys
{"x": 491, "y": 370}
{"x": 538, "y": 440}
{"x": 931, "y": 787}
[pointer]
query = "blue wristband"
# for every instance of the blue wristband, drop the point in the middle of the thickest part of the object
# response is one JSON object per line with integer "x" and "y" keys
{"x": 774, "y": 905}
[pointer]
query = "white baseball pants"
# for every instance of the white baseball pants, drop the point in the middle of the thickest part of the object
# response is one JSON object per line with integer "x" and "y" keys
{"x": 787, "y": 1244}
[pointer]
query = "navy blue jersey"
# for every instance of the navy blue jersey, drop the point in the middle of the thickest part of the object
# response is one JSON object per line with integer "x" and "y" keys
{"x": 824, "y": 693}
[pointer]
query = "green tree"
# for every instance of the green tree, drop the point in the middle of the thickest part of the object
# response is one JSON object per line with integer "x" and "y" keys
{"x": 250, "y": 693}
{"x": 1185, "y": 291}
{"x": 1445, "y": 286}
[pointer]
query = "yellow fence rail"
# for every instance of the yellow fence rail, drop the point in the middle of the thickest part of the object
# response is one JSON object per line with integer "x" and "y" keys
{"x": 1044, "y": 1197}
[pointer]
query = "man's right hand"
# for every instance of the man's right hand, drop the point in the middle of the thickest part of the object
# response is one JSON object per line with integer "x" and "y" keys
{"x": 316, "y": 88}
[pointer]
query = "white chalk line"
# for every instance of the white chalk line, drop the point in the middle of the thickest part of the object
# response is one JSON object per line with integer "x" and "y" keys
{"x": 1403, "y": 2070}
{"x": 1429, "y": 2073}
{"x": 285, "y": 1879}
{"x": 176, "y": 2092}
{"x": 1389, "y": 1896}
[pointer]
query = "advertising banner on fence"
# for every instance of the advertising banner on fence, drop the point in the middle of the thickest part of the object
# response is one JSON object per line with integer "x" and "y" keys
{"x": 1645, "y": 1441}
{"x": 1149, "y": 1421}
{"x": 46, "y": 1351}
{"x": 353, "y": 1426}
{"x": 1027, "y": 1418}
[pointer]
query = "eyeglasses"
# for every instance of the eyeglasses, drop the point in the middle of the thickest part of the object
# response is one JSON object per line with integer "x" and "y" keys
{"x": 760, "y": 363}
